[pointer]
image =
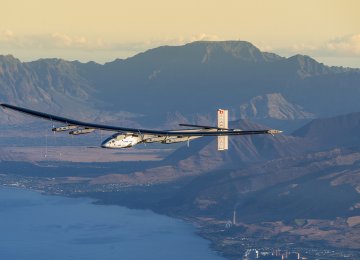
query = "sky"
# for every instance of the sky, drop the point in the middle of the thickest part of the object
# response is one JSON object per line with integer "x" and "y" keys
{"x": 101, "y": 31}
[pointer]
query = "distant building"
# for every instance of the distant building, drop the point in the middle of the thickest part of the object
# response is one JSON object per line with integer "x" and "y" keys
{"x": 274, "y": 255}
{"x": 293, "y": 256}
{"x": 228, "y": 224}
{"x": 251, "y": 254}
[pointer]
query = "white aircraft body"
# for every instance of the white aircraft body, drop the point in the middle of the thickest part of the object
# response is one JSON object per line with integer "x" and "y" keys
{"x": 129, "y": 137}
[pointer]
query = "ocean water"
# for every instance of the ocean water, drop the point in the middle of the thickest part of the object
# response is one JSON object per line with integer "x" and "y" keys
{"x": 34, "y": 226}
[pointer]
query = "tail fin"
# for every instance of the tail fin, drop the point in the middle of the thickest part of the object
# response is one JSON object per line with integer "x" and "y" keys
{"x": 223, "y": 120}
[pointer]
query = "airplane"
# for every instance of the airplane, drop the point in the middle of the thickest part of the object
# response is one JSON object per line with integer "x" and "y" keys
{"x": 128, "y": 137}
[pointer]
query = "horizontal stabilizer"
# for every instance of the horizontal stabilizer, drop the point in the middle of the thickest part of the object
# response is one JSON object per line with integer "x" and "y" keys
{"x": 205, "y": 127}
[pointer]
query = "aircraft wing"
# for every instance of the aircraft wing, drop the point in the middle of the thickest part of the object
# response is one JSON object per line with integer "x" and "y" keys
{"x": 72, "y": 122}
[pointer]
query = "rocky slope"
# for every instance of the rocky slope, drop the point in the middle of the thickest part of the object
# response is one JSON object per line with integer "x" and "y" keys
{"x": 51, "y": 85}
{"x": 273, "y": 106}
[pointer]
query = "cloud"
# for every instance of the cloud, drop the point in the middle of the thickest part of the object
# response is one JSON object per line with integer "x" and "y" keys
{"x": 204, "y": 37}
{"x": 54, "y": 40}
{"x": 8, "y": 34}
{"x": 62, "y": 40}
{"x": 264, "y": 47}
{"x": 348, "y": 45}
{"x": 345, "y": 46}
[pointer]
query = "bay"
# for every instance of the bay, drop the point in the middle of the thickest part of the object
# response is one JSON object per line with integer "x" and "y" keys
{"x": 34, "y": 226}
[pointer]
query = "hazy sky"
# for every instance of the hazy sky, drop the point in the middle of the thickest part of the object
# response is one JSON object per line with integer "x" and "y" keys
{"x": 328, "y": 30}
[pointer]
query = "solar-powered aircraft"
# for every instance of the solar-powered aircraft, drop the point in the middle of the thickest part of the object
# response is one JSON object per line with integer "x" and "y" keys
{"x": 128, "y": 137}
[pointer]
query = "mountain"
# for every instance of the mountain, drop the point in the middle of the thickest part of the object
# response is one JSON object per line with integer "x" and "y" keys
{"x": 273, "y": 106}
{"x": 332, "y": 132}
{"x": 51, "y": 85}
{"x": 190, "y": 80}
{"x": 47, "y": 83}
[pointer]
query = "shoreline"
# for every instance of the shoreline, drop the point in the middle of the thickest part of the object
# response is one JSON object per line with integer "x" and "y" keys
{"x": 224, "y": 245}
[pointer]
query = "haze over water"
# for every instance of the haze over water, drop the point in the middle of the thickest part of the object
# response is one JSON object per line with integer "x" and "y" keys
{"x": 33, "y": 226}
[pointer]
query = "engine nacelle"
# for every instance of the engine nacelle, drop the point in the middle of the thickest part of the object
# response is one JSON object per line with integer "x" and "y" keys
{"x": 64, "y": 128}
{"x": 176, "y": 139}
{"x": 121, "y": 141}
{"x": 82, "y": 131}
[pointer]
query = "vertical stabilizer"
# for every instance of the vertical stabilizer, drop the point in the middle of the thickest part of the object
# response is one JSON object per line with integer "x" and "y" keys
{"x": 223, "y": 123}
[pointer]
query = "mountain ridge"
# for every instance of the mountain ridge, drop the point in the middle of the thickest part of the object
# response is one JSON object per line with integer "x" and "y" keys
{"x": 188, "y": 79}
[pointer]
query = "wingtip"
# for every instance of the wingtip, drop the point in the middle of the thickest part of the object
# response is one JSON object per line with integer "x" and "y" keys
{"x": 3, "y": 105}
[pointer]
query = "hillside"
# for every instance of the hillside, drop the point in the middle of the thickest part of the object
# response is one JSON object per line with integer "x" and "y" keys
{"x": 287, "y": 189}
{"x": 313, "y": 174}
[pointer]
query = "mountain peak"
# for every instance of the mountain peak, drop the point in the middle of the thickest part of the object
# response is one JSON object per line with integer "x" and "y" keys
{"x": 8, "y": 57}
{"x": 228, "y": 46}
{"x": 307, "y": 66}
{"x": 8, "y": 61}
{"x": 9, "y": 64}
{"x": 238, "y": 50}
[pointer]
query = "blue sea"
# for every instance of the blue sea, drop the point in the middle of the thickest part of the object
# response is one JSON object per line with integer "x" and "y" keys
{"x": 34, "y": 226}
